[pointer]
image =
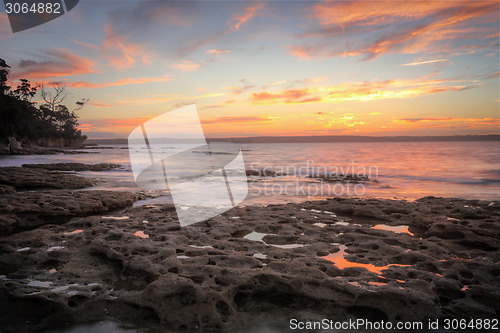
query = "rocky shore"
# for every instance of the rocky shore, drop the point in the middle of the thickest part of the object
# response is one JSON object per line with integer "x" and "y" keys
{"x": 73, "y": 166}
{"x": 55, "y": 200}
{"x": 10, "y": 146}
{"x": 69, "y": 257}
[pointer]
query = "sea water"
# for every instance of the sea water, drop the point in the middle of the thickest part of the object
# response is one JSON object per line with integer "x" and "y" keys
{"x": 399, "y": 170}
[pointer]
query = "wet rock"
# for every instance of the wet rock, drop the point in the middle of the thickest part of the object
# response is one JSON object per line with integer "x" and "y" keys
{"x": 340, "y": 178}
{"x": 22, "y": 211}
{"x": 26, "y": 149}
{"x": 25, "y": 178}
{"x": 73, "y": 166}
{"x": 4, "y": 148}
{"x": 209, "y": 277}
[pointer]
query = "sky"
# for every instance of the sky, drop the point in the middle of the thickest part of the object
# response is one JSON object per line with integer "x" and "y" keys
{"x": 272, "y": 68}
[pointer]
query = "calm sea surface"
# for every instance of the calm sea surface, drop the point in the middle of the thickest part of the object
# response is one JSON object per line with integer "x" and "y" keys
{"x": 399, "y": 170}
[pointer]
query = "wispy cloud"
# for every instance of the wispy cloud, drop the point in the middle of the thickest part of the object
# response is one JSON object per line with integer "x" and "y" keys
{"x": 187, "y": 66}
{"x": 361, "y": 91}
{"x": 416, "y": 120}
{"x": 238, "y": 120}
{"x": 444, "y": 123}
{"x": 248, "y": 13}
{"x": 418, "y": 63}
{"x": 165, "y": 98}
{"x": 121, "y": 82}
{"x": 58, "y": 63}
{"x": 99, "y": 104}
{"x": 246, "y": 85}
{"x": 368, "y": 13}
{"x": 121, "y": 53}
{"x": 347, "y": 28}
{"x": 84, "y": 44}
{"x": 113, "y": 123}
{"x": 296, "y": 96}
{"x": 447, "y": 120}
{"x": 218, "y": 52}
{"x": 339, "y": 121}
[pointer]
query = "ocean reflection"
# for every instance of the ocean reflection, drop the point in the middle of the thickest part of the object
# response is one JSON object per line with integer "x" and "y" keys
{"x": 405, "y": 170}
{"x": 340, "y": 262}
{"x": 400, "y": 229}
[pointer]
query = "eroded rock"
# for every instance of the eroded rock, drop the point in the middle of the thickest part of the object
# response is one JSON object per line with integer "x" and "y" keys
{"x": 209, "y": 277}
{"x": 29, "y": 210}
{"x": 73, "y": 166}
{"x": 26, "y": 178}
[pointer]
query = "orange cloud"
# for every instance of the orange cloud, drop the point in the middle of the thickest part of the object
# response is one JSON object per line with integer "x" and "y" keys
{"x": 107, "y": 123}
{"x": 61, "y": 63}
{"x": 239, "y": 90}
{"x": 121, "y": 82}
{"x": 85, "y": 127}
{"x": 303, "y": 52}
{"x": 329, "y": 121}
{"x": 121, "y": 54}
{"x": 415, "y": 120}
{"x": 360, "y": 91}
{"x": 311, "y": 51}
{"x": 186, "y": 66}
{"x": 239, "y": 120}
{"x": 239, "y": 19}
{"x": 418, "y": 63}
{"x": 473, "y": 122}
{"x": 163, "y": 99}
{"x": 84, "y": 44}
{"x": 349, "y": 13}
{"x": 100, "y": 105}
{"x": 433, "y": 26}
{"x": 218, "y": 52}
{"x": 296, "y": 96}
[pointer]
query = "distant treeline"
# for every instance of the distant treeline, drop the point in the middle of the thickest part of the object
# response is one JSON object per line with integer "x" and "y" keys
{"x": 329, "y": 138}
{"x": 24, "y": 120}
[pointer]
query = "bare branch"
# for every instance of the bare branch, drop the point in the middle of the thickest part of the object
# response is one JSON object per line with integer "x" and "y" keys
{"x": 80, "y": 104}
{"x": 57, "y": 97}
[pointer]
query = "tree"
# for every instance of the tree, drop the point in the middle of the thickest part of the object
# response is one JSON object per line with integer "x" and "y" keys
{"x": 55, "y": 96}
{"x": 53, "y": 110}
{"x": 20, "y": 118}
{"x": 25, "y": 91}
{"x": 4, "y": 73}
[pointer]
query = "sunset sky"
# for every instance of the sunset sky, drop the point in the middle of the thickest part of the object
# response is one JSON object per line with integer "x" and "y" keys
{"x": 272, "y": 68}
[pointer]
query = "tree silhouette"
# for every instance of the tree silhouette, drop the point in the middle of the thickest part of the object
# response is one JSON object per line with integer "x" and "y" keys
{"x": 22, "y": 120}
{"x": 4, "y": 73}
{"x": 25, "y": 91}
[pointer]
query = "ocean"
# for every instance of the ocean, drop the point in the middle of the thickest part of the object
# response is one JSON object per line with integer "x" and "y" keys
{"x": 395, "y": 170}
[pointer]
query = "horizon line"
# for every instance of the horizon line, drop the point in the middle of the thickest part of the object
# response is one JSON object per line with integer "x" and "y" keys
{"x": 337, "y": 138}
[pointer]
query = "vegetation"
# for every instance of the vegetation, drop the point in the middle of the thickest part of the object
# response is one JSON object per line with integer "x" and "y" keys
{"x": 24, "y": 120}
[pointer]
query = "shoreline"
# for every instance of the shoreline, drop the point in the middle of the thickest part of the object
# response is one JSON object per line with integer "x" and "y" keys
{"x": 96, "y": 257}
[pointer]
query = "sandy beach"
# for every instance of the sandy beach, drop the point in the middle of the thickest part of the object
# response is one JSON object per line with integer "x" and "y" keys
{"x": 73, "y": 256}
